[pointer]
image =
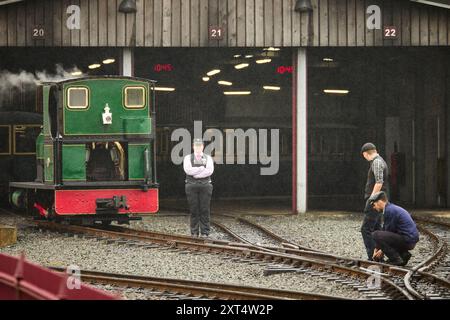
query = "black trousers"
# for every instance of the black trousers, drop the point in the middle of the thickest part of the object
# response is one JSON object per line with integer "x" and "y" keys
{"x": 371, "y": 222}
{"x": 392, "y": 244}
{"x": 199, "y": 199}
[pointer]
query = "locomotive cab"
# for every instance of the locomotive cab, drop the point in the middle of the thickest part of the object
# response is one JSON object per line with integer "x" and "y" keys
{"x": 96, "y": 147}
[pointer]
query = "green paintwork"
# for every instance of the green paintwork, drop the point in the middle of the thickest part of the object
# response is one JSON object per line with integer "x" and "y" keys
{"x": 46, "y": 92}
{"x": 74, "y": 162}
{"x": 48, "y": 163}
{"x": 136, "y": 166}
{"x": 101, "y": 92}
{"x": 40, "y": 146}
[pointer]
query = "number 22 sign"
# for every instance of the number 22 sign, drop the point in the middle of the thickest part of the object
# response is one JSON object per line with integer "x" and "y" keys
{"x": 390, "y": 32}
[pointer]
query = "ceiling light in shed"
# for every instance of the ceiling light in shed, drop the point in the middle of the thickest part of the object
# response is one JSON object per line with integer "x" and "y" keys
{"x": 109, "y": 61}
{"x": 225, "y": 83}
{"x": 263, "y": 61}
{"x": 206, "y": 79}
{"x": 166, "y": 89}
{"x": 94, "y": 66}
{"x": 273, "y": 88}
{"x": 237, "y": 93}
{"x": 241, "y": 66}
{"x": 213, "y": 72}
{"x": 336, "y": 91}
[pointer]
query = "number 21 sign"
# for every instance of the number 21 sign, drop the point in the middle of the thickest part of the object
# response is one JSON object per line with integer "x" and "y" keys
{"x": 215, "y": 33}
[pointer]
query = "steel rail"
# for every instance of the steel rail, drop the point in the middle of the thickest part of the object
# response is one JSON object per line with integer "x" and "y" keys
{"x": 244, "y": 252}
{"x": 197, "y": 288}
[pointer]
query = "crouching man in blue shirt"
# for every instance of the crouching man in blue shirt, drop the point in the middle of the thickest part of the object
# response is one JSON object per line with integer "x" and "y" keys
{"x": 398, "y": 233}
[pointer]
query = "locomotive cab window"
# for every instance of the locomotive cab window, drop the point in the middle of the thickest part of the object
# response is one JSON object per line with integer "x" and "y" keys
{"x": 78, "y": 98}
{"x": 25, "y": 139}
{"x": 5, "y": 140}
{"x": 134, "y": 97}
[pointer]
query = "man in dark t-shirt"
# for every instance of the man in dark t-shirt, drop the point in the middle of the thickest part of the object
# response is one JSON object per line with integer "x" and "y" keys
{"x": 377, "y": 180}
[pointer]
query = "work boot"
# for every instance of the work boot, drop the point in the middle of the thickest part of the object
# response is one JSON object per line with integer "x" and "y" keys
{"x": 396, "y": 262}
{"x": 405, "y": 257}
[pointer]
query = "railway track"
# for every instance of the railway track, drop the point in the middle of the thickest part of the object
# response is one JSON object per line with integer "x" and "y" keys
{"x": 396, "y": 283}
{"x": 354, "y": 276}
{"x": 187, "y": 289}
{"x": 419, "y": 283}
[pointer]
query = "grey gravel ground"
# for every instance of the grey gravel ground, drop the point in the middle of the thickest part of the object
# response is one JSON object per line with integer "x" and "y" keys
{"x": 57, "y": 250}
{"x": 337, "y": 233}
{"x": 175, "y": 225}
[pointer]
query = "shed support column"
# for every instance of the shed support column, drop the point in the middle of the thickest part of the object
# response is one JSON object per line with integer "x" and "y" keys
{"x": 301, "y": 131}
{"x": 127, "y": 65}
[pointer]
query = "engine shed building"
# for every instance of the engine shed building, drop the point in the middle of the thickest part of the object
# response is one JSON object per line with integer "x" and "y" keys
{"x": 327, "y": 75}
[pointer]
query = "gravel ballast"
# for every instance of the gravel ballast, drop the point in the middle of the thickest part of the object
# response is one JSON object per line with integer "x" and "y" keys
{"x": 58, "y": 250}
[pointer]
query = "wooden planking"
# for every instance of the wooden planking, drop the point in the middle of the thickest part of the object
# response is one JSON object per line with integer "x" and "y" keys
{"x": 316, "y": 22}
{"x": 103, "y": 21}
{"x": 148, "y": 23}
{"x": 75, "y": 36}
{"x": 296, "y": 27}
{"x": 305, "y": 19}
{"x": 415, "y": 26}
{"x": 388, "y": 20}
{"x": 360, "y": 23}
{"x": 287, "y": 23}
{"x": 332, "y": 23}
{"x": 3, "y": 27}
{"x": 204, "y": 38}
{"x": 378, "y": 34}
{"x": 369, "y": 34}
{"x": 157, "y": 23}
{"x": 223, "y": 21}
{"x": 176, "y": 23}
{"x": 30, "y": 23}
{"x": 112, "y": 23}
{"x": 232, "y": 23}
{"x": 21, "y": 25}
{"x": 406, "y": 25}
{"x": 277, "y": 23}
{"x": 268, "y": 23}
{"x": 240, "y": 23}
{"x": 252, "y": 23}
{"x": 424, "y": 31}
{"x": 434, "y": 27}
{"x": 195, "y": 23}
{"x": 250, "y": 15}
{"x": 130, "y": 30}
{"x": 397, "y": 21}
{"x": 185, "y": 24}
{"x": 342, "y": 22}
{"x": 351, "y": 23}
{"x": 213, "y": 19}
{"x": 443, "y": 32}
{"x": 324, "y": 26}
{"x": 57, "y": 24}
{"x": 93, "y": 23}
{"x": 48, "y": 17}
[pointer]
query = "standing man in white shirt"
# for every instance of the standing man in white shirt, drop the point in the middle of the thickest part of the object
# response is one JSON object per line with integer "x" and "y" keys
{"x": 198, "y": 168}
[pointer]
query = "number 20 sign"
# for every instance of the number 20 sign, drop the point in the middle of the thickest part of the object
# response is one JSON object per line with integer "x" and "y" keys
{"x": 390, "y": 32}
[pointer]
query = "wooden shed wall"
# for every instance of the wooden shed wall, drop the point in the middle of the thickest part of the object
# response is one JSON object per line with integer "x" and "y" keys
{"x": 247, "y": 23}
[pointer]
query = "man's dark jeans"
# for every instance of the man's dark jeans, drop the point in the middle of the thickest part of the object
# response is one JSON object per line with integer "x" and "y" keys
{"x": 392, "y": 244}
{"x": 199, "y": 199}
{"x": 372, "y": 222}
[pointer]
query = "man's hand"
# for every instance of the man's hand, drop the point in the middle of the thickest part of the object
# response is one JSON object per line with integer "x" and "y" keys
{"x": 377, "y": 254}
